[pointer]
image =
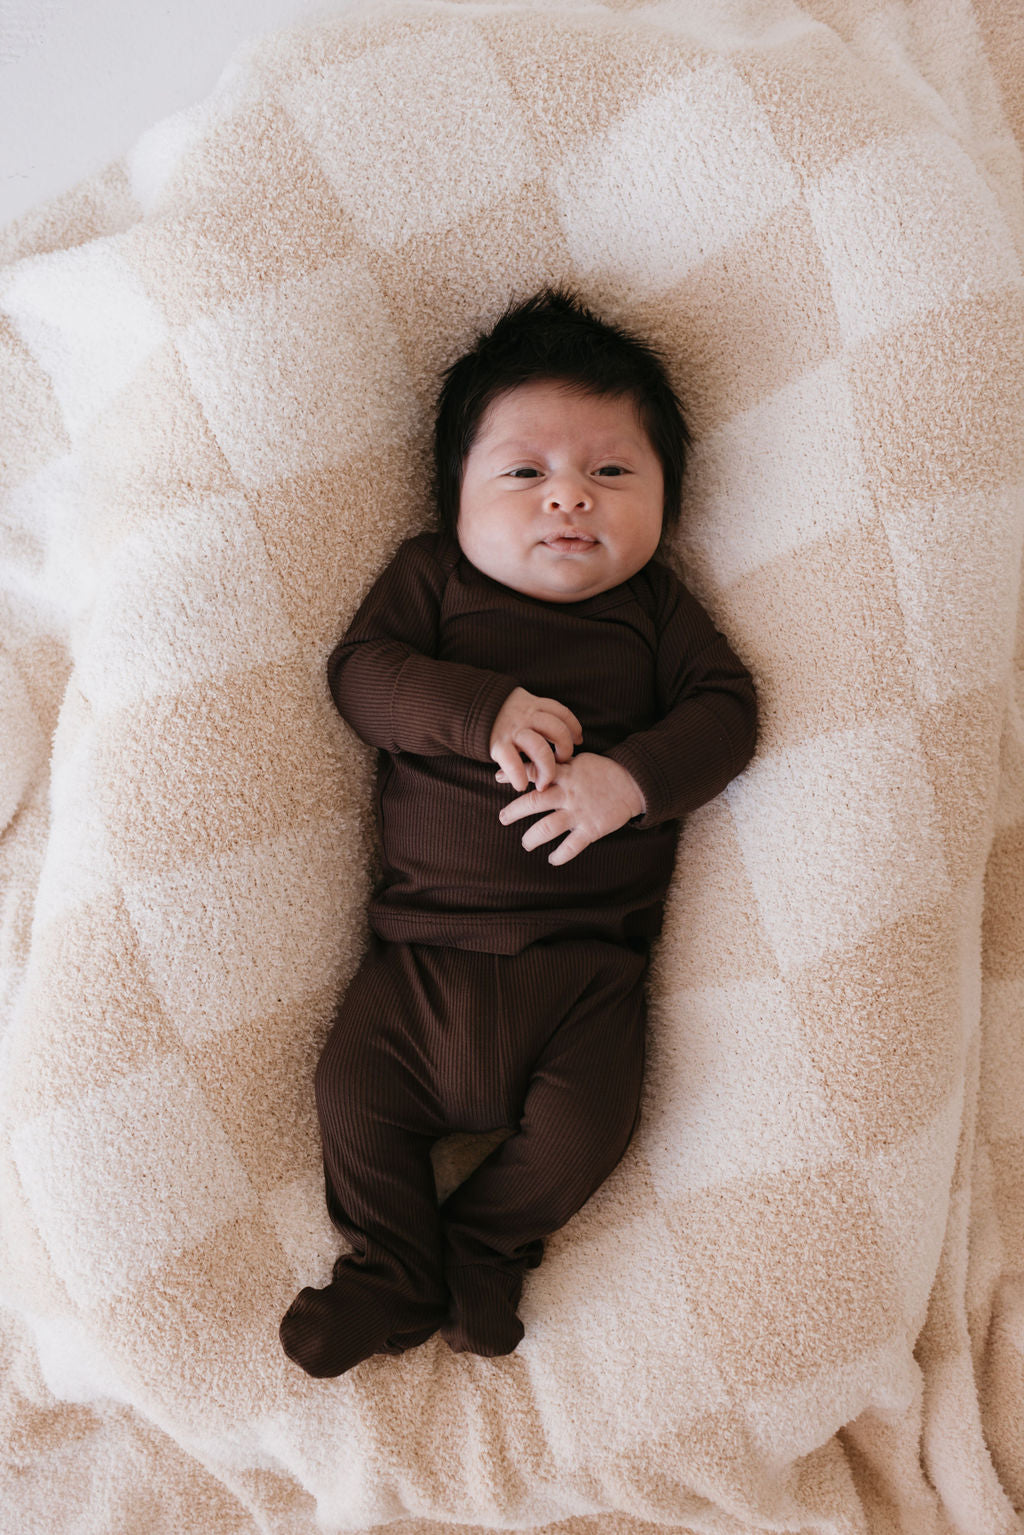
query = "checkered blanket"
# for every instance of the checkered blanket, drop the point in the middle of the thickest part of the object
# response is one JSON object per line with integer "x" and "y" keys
{"x": 797, "y": 1304}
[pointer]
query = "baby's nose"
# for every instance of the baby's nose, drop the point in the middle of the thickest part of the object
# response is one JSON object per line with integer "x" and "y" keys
{"x": 561, "y": 497}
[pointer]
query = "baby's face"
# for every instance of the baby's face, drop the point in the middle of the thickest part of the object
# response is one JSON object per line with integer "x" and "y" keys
{"x": 562, "y": 493}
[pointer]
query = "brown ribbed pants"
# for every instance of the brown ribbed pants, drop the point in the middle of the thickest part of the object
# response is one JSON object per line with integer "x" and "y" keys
{"x": 548, "y": 1043}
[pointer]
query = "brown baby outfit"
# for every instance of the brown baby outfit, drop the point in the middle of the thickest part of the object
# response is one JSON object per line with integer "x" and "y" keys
{"x": 498, "y": 990}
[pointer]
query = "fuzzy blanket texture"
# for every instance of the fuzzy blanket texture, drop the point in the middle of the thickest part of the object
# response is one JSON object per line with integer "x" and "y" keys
{"x": 798, "y": 1303}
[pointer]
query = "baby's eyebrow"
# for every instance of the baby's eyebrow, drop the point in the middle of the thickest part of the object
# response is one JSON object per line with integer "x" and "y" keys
{"x": 511, "y": 445}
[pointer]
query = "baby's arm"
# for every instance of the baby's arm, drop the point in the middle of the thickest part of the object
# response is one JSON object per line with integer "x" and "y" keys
{"x": 385, "y": 677}
{"x": 704, "y": 739}
{"x": 389, "y": 685}
{"x": 707, "y": 732}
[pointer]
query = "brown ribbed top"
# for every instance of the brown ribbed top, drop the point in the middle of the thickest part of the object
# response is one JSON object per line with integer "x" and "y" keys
{"x": 427, "y": 662}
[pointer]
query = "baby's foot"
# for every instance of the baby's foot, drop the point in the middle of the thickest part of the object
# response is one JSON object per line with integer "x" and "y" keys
{"x": 331, "y": 1330}
{"x": 326, "y": 1334}
{"x": 483, "y": 1319}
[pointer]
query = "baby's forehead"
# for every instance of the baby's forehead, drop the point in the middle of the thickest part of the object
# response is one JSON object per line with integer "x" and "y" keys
{"x": 546, "y": 407}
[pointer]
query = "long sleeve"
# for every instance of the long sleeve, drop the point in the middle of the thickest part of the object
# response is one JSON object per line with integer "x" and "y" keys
{"x": 433, "y": 652}
{"x": 385, "y": 677}
{"x": 707, "y": 731}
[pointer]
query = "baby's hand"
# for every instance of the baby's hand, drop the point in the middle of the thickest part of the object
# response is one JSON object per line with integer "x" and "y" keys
{"x": 526, "y": 723}
{"x": 590, "y": 797}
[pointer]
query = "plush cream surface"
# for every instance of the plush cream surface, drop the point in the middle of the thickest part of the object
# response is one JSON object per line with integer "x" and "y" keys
{"x": 797, "y": 1304}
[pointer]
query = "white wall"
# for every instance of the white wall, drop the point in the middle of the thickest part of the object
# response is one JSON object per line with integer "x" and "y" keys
{"x": 81, "y": 79}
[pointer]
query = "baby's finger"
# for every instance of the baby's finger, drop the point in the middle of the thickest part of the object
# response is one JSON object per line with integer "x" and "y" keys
{"x": 545, "y": 831}
{"x": 565, "y": 744}
{"x": 573, "y": 844}
{"x": 575, "y": 728}
{"x": 564, "y": 734}
{"x": 565, "y": 714}
{"x": 531, "y": 803}
{"x": 512, "y": 765}
{"x": 539, "y": 752}
{"x": 531, "y": 773}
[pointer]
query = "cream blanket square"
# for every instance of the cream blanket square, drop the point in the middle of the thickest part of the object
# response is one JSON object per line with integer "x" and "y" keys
{"x": 798, "y": 1303}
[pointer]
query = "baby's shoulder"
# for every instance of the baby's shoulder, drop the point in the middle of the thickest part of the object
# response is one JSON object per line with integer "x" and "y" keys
{"x": 432, "y": 545}
{"x": 424, "y": 558}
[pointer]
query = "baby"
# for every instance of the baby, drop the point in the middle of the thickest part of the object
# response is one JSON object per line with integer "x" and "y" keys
{"x": 531, "y": 660}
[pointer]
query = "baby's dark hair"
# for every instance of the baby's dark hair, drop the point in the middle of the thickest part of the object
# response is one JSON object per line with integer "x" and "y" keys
{"x": 554, "y": 336}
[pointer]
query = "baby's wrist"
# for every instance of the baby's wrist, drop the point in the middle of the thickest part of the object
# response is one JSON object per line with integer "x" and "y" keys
{"x": 636, "y": 795}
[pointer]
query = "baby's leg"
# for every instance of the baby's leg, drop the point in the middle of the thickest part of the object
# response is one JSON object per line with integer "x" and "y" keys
{"x": 378, "y": 1119}
{"x": 580, "y": 1110}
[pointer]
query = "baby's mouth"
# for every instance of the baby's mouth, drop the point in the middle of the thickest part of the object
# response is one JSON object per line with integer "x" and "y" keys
{"x": 571, "y": 542}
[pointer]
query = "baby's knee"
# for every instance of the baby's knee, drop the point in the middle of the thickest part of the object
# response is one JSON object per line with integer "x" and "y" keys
{"x": 596, "y": 1152}
{"x": 346, "y": 1064}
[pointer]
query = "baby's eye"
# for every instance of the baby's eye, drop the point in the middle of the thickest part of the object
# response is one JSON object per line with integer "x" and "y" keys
{"x": 612, "y": 469}
{"x": 521, "y": 474}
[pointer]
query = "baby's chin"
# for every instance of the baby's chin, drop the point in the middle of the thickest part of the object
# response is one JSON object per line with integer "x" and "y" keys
{"x": 563, "y": 584}
{"x": 553, "y": 577}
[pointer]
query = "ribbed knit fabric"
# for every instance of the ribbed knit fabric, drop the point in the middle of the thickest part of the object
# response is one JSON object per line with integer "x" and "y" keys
{"x": 425, "y": 665}
{"x": 548, "y": 1043}
{"x": 499, "y": 990}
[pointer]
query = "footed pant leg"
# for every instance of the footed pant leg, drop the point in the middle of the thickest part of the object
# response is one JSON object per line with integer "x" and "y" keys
{"x": 378, "y": 1119}
{"x": 581, "y": 1105}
